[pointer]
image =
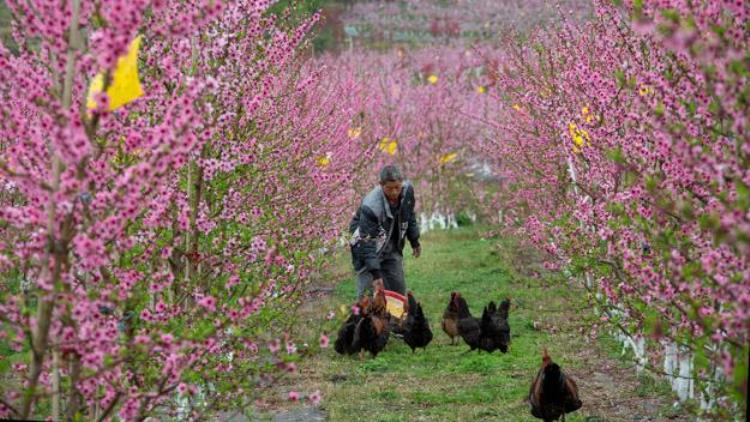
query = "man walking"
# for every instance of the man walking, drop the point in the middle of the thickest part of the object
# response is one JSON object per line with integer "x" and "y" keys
{"x": 382, "y": 223}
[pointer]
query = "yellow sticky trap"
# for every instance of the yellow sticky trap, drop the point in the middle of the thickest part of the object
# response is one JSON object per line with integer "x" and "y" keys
{"x": 125, "y": 86}
{"x": 324, "y": 161}
{"x": 388, "y": 145}
{"x": 480, "y": 89}
{"x": 580, "y": 137}
{"x": 587, "y": 115}
{"x": 433, "y": 79}
{"x": 447, "y": 158}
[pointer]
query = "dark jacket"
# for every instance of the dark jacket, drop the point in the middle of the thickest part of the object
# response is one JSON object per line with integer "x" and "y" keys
{"x": 371, "y": 228}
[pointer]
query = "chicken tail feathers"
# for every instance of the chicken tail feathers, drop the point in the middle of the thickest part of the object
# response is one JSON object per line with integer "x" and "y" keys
{"x": 504, "y": 309}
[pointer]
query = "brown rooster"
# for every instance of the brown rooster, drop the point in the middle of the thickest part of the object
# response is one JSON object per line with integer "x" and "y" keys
{"x": 450, "y": 319}
{"x": 379, "y": 301}
{"x": 553, "y": 393}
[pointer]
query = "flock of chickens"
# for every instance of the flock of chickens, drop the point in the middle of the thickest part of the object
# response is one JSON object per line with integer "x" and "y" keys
{"x": 368, "y": 328}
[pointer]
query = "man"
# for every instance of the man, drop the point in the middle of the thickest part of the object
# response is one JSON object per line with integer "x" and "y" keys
{"x": 382, "y": 223}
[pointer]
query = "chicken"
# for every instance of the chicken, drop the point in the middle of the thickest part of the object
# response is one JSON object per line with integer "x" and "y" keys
{"x": 371, "y": 332}
{"x": 495, "y": 331}
{"x": 379, "y": 301}
{"x": 417, "y": 331}
{"x": 504, "y": 309}
{"x": 553, "y": 393}
{"x": 450, "y": 319}
{"x": 468, "y": 327}
{"x": 504, "y": 313}
{"x": 489, "y": 333}
{"x": 411, "y": 302}
{"x": 343, "y": 343}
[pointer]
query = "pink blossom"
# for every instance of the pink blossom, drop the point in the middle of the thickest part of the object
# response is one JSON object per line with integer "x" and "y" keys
{"x": 232, "y": 281}
{"x": 182, "y": 388}
{"x": 274, "y": 346}
{"x": 208, "y": 303}
{"x": 324, "y": 340}
{"x": 315, "y": 397}
{"x": 142, "y": 339}
{"x": 252, "y": 347}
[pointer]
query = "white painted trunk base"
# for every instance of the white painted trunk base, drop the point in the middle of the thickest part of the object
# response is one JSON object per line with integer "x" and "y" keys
{"x": 437, "y": 221}
{"x": 677, "y": 362}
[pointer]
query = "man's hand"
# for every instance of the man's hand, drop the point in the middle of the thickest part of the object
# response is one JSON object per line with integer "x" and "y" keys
{"x": 416, "y": 251}
{"x": 376, "y": 281}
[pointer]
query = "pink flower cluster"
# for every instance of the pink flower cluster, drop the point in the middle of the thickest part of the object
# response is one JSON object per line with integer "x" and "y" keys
{"x": 624, "y": 150}
{"x": 130, "y": 230}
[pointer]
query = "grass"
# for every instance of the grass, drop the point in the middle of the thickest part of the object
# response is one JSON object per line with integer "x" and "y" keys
{"x": 443, "y": 382}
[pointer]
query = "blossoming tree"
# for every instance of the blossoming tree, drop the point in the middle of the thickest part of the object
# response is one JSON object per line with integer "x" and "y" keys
{"x": 169, "y": 172}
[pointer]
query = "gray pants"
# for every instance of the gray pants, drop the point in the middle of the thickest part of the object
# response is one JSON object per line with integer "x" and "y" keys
{"x": 392, "y": 268}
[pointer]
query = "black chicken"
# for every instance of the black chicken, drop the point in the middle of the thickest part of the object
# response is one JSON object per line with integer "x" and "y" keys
{"x": 417, "y": 331}
{"x": 468, "y": 327}
{"x": 495, "y": 331}
{"x": 504, "y": 309}
{"x": 553, "y": 393}
{"x": 343, "y": 344}
{"x": 371, "y": 332}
